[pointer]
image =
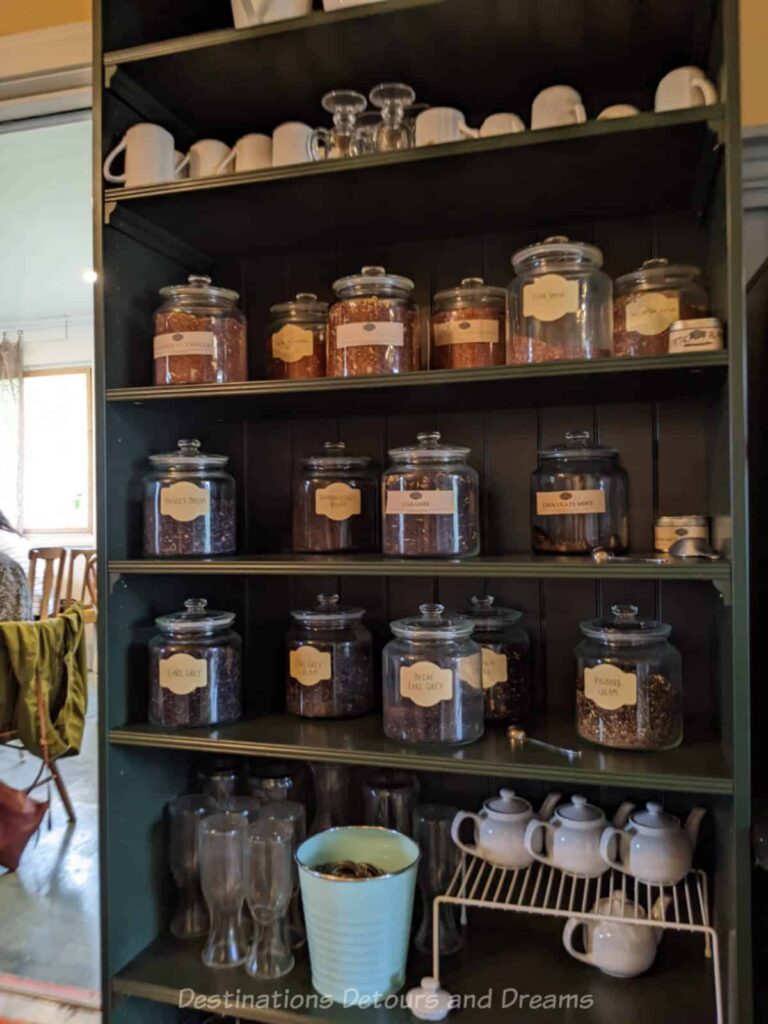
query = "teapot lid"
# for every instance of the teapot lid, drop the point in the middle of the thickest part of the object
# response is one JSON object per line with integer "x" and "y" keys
{"x": 580, "y": 811}
{"x": 507, "y": 803}
{"x": 654, "y": 817}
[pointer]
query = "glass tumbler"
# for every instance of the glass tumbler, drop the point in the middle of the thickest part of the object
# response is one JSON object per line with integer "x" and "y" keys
{"x": 223, "y": 878}
{"x": 389, "y": 799}
{"x": 270, "y": 888}
{"x": 293, "y": 814}
{"x": 191, "y": 918}
{"x": 331, "y": 785}
{"x": 439, "y": 860}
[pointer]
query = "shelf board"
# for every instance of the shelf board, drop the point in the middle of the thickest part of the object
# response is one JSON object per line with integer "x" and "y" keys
{"x": 504, "y": 952}
{"x": 696, "y": 766}
{"x": 519, "y": 566}
{"x": 657, "y": 163}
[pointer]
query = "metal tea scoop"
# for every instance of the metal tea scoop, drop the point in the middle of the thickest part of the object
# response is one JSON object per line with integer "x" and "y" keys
{"x": 519, "y": 737}
{"x": 601, "y": 555}
{"x": 693, "y": 547}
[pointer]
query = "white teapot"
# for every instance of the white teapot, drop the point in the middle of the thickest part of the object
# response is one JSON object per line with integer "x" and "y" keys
{"x": 571, "y": 839}
{"x": 622, "y": 950}
{"x": 500, "y": 828}
{"x": 653, "y": 846}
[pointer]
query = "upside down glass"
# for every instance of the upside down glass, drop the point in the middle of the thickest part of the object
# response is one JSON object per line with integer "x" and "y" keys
{"x": 270, "y": 888}
{"x": 191, "y": 918}
{"x": 439, "y": 859}
{"x": 292, "y": 814}
{"x": 223, "y": 878}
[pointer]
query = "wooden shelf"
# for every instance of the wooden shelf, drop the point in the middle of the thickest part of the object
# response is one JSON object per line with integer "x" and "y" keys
{"x": 696, "y": 766}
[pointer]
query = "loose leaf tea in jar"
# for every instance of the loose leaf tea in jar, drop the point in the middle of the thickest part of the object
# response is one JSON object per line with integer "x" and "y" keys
{"x": 195, "y": 668}
{"x": 329, "y": 662}
{"x": 579, "y": 499}
{"x": 335, "y": 502}
{"x": 297, "y": 339}
{"x": 433, "y": 691}
{"x": 430, "y": 501}
{"x": 628, "y": 683}
{"x": 469, "y": 326}
{"x": 506, "y": 663}
{"x": 560, "y": 303}
{"x": 649, "y": 301}
{"x": 200, "y": 335}
{"x": 374, "y": 327}
{"x": 189, "y": 504}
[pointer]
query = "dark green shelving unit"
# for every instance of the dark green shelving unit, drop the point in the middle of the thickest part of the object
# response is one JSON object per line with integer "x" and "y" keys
{"x": 655, "y": 185}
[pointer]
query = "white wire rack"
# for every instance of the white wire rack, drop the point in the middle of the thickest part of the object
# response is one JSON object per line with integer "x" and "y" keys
{"x": 543, "y": 890}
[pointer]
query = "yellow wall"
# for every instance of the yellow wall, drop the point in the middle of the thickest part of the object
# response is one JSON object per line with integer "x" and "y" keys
{"x": 28, "y": 15}
{"x": 754, "y": 61}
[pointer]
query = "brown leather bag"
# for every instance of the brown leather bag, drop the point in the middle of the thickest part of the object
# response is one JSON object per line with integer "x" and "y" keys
{"x": 20, "y": 818}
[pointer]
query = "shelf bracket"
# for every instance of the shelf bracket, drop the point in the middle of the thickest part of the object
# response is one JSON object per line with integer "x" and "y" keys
{"x": 725, "y": 590}
{"x": 113, "y": 579}
{"x": 109, "y": 74}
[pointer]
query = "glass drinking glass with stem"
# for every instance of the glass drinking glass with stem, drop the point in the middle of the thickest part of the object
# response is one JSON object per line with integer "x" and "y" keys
{"x": 191, "y": 919}
{"x": 334, "y": 143}
{"x": 223, "y": 842}
{"x": 269, "y": 893}
{"x": 439, "y": 860}
{"x": 392, "y": 98}
{"x": 294, "y": 815}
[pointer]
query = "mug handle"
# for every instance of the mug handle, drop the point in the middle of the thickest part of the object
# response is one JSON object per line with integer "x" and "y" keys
{"x": 570, "y": 927}
{"x": 181, "y": 164}
{"x": 456, "y": 825}
{"x": 318, "y": 136}
{"x": 707, "y": 90}
{"x": 531, "y": 829}
{"x": 580, "y": 113}
{"x": 228, "y": 159}
{"x": 469, "y": 133}
{"x": 117, "y": 179}
{"x": 605, "y": 847}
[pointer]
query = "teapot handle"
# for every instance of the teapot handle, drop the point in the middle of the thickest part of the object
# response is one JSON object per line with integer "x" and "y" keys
{"x": 605, "y": 847}
{"x": 530, "y": 831}
{"x": 570, "y": 927}
{"x": 456, "y": 825}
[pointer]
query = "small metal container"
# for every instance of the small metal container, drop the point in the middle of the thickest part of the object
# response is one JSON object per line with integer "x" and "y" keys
{"x": 703, "y": 335}
{"x": 668, "y": 529}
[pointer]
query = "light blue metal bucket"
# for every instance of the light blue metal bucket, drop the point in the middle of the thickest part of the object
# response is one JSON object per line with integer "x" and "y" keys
{"x": 358, "y": 929}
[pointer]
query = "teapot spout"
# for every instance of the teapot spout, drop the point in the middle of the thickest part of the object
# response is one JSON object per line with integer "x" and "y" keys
{"x": 692, "y": 825}
{"x": 547, "y": 809}
{"x": 621, "y": 816}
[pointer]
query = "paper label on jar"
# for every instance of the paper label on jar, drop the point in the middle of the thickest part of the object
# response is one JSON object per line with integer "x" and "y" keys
{"x": 426, "y": 684}
{"x": 424, "y": 503}
{"x": 338, "y": 502}
{"x": 609, "y": 687}
{"x": 470, "y": 670}
{"x": 309, "y": 666}
{"x": 495, "y": 668}
{"x": 292, "y": 343}
{"x": 184, "y": 343}
{"x": 550, "y": 297}
{"x": 561, "y": 503}
{"x": 466, "y": 332}
{"x": 184, "y": 501}
{"x": 665, "y": 536}
{"x": 372, "y": 333}
{"x": 696, "y": 339}
{"x": 182, "y": 674}
{"x": 651, "y": 313}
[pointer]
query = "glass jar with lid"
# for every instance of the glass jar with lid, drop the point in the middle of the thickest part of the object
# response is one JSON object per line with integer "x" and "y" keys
{"x": 336, "y": 502}
{"x": 195, "y": 668}
{"x": 430, "y": 501}
{"x": 560, "y": 303}
{"x": 506, "y": 660}
{"x": 297, "y": 338}
{"x": 469, "y": 326}
{"x": 200, "y": 335}
{"x": 649, "y": 300}
{"x": 189, "y": 504}
{"x": 374, "y": 326}
{"x": 579, "y": 498}
{"x": 628, "y": 683}
{"x": 330, "y": 662}
{"x": 433, "y": 679}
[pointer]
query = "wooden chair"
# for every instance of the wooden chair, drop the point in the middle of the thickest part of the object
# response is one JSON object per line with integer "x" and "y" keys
{"x": 54, "y": 560}
{"x": 87, "y": 594}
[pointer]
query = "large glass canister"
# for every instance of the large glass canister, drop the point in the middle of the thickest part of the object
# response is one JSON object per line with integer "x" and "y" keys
{"x": 189, "y": 504}
{"x": 433, "y": 691}
{"x": 649, "y": 300}
{"x": 506, "y": 660}
{"x": 195, "y": 668}
{"x": 329, "y": 672}
{"x": 579, "y": 499}
{"x": 297, "y": 339}
{"x": 374, "y": 326}
{"x": 560, "y": 303}
{"x": 430, "y": 501}
{"x": 469, "y": 326}
{"x": 336, "y": 502}
{"x": 200, "y": 335}
{"x": 628, "y": 683}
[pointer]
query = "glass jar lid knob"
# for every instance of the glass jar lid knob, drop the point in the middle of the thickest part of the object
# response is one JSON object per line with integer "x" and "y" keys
{"x": 327, "y": 602}
{"x": 472, "y": 282}
{"x": 306, "y": 297}
{"x": 432, "y": 612}
{"x": 429, "y": 439}
{"x": 577, "y": 438}
{"x": 191, "y": 447}
{"x": 556, "y": 239}
{"x": 624, "y": 614}
{"x": 374, "y": 271}
{"x": 335, "y": 447}
{"x": 657, "y": 261}
{"x": 199, "y": 280}
{"x": 482, "y": 604}
{"x": 196, "y": 605}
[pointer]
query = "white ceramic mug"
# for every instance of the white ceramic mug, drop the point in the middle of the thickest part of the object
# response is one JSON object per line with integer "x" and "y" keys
{"x": 340, "y": 5}
{"x": 684, "y": 87}
{"x": 442, "y": 124}
{"x": 182, "y": 165}
{"x": 207, "y": 157}
{"x": 250, "y": 153}
{"x": 258, "y": 12}
{"x": 501, "y": 124}
{"x": 557, "y": 106}
{"x": 291, "y": 144}
{"x": 149, "y": 157}
{"x": 617, "y": 110}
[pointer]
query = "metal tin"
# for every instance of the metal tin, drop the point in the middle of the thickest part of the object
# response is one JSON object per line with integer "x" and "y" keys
{"x": 702, "y": 335}
{"x": 668, "y": 529}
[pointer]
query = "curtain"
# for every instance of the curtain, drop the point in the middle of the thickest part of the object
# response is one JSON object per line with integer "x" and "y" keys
{"x": 11, "y": 432}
